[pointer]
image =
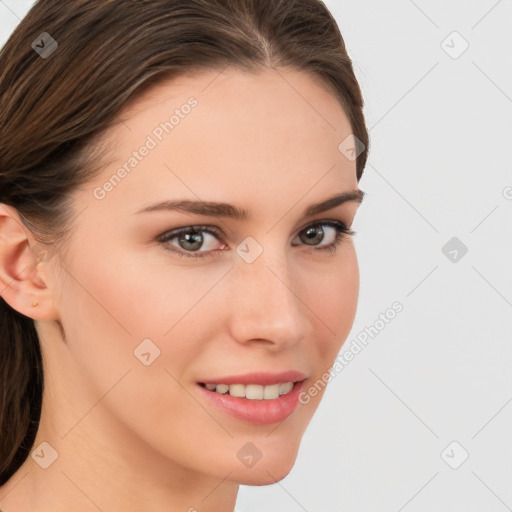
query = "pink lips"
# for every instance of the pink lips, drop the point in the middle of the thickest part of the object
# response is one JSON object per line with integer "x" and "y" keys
{"x": 261, "y": 378}
{"x": 260, "y": 412}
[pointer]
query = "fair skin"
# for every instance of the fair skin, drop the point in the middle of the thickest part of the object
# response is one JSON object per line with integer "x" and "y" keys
{"x": 135, "y": 437}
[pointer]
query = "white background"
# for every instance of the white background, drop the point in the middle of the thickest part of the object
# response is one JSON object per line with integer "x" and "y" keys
{"x": 439, "y": 167}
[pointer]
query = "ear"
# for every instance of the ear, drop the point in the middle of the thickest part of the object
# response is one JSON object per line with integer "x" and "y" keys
{"x": 24, "y": 276}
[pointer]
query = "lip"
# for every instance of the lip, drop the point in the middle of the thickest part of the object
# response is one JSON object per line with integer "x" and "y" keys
{"x": 261, "y": 378}
{"x": 257, "y": 412}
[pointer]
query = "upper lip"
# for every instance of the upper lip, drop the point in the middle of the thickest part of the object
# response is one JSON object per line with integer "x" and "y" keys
{"x": 261, "y": 378}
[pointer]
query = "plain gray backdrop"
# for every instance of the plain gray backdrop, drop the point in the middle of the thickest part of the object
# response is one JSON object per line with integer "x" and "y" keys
{"x": 421, "y": 417}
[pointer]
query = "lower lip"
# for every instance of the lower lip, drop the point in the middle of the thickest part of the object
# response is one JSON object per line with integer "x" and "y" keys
{"x": 260, "y": 412}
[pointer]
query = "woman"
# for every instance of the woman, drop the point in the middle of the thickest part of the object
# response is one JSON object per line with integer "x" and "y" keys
{"x": 178, "y": 179}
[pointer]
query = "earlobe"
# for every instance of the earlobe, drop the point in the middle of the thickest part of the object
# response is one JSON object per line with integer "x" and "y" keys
{"x": 21, "y": 284}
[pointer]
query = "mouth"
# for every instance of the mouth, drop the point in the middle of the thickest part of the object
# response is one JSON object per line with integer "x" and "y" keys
{"x": 251, "y": 391}
{"x": 257, "y": 398}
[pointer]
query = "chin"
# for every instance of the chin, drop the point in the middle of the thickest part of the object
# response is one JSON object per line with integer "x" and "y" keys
{"x": 260, "y": 476}
{"x": 273, "y": 470}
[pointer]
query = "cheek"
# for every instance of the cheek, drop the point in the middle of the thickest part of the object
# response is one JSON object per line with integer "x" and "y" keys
{"x": 334, "y": 301}
{"x": 104, "y": 315}
{"x": 335, "y": 306}
{"x": 105, "y": 321}
{"x": 98, "y": 334}
{"x": 112, "y": 304}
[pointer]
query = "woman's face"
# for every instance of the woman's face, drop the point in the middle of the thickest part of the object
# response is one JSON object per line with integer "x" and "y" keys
{"x": 255, "y": 299}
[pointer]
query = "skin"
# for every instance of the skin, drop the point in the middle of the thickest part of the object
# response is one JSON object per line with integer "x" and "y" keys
{"x": 252, "y": 141}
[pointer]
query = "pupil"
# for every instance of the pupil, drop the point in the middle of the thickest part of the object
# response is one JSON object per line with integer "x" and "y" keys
{"x": 315, "y": 232}
{"x": 195, "y": 239}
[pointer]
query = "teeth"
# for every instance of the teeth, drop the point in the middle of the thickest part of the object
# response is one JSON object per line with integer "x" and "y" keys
{"x": 270, "y": 392}
{"x": 285, "y": 388}
{"x": 252, "y": 391}
{"x": 221, "y": 388}
{"x": 237, "y": 390}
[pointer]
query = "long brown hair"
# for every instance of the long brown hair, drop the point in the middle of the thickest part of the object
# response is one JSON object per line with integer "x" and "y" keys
{"x": 56, "y": 98}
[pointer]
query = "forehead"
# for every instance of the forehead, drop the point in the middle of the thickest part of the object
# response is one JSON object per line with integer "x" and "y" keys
{"x": 213, "y": 133}
{"x": 233, "y": 84}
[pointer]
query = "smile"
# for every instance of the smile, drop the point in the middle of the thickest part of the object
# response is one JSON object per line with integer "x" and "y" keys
{"x": 251, "y": 391}
{"x": 255, "y": 398}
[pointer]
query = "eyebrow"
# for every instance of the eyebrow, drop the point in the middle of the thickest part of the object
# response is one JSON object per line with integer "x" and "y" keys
{"x": 214, "y": 209}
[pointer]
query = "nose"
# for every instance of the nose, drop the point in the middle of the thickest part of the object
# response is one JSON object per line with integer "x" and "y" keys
{"x": 266, "y": 304}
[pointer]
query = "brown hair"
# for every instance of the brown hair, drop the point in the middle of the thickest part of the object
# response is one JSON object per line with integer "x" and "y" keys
{"x": 54, "y": 107}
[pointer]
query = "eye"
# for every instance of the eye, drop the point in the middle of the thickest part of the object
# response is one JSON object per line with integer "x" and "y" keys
{"x": 336, "y": 231}
{"x": 189, "y": 240}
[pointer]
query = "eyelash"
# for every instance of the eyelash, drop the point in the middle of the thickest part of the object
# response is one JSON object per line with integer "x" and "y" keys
{"x": 342, "y": 231}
